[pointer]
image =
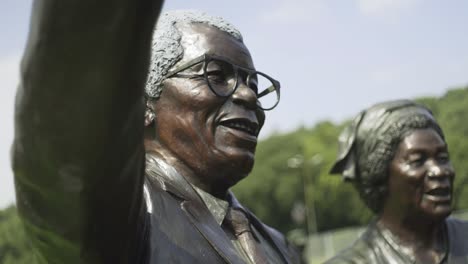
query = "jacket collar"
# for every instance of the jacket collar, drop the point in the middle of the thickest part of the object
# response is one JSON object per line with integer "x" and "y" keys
{"x": 167, "y": 178}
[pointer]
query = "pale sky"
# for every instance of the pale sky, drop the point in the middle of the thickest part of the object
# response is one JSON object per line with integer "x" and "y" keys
{"x": 332, "y": 57}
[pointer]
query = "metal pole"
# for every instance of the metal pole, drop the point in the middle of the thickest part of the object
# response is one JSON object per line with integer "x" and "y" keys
{"x": 311, "y": 218}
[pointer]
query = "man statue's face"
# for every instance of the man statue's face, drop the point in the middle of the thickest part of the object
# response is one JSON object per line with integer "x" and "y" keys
{"x": 214, "y": 136}
{"x": 421, "y": 176}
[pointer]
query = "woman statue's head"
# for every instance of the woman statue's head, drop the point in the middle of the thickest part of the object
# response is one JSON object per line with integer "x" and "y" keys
{"x": 396, "y": 156}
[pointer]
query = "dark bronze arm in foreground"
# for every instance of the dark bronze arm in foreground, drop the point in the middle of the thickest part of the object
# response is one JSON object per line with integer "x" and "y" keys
{"x": 78, "y": 154}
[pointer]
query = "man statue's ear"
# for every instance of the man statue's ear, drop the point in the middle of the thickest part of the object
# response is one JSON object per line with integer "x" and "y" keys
{"x": 150, "y": 115}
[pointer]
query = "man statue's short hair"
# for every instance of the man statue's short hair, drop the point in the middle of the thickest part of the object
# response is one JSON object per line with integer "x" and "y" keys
{"x": 167, "y": 49}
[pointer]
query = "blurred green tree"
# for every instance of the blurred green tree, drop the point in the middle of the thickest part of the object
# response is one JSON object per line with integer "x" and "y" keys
{"x": 14, "y": 248}
{"x": 275, "y": 190}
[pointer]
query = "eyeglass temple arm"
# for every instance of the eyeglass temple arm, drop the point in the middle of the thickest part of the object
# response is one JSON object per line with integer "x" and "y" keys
{"x": 186, "y": 66}
{"x": 267, "y": 91}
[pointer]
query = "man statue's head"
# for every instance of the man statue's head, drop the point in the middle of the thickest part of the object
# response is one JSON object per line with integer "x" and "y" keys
{"x": 205, "y": 100}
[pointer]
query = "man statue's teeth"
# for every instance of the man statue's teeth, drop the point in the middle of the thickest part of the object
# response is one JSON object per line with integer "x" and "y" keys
{"x": 242, "y": 127}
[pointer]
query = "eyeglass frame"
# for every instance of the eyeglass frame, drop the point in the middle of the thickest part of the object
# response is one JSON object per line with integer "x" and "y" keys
{"x": 206, "y": 58}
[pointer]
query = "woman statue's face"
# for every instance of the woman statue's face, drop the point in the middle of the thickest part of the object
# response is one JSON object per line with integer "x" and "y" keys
{"x": 421, "y": 177}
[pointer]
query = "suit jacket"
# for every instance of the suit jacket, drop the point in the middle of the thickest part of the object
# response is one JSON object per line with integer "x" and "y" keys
{"x": 183, "y": 230}
{"x": 373, "y": 247}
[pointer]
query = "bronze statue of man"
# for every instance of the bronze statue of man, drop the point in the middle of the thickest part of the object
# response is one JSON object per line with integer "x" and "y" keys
{"x": 107, "y": 174}
{"x": 396, "y": 156}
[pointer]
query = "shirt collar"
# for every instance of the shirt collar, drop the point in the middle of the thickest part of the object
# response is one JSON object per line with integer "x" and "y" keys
{"x": 217, "y": 207}
{"x": 403, "y": 252}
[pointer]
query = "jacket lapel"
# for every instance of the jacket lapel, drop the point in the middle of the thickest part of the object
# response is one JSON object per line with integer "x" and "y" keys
{"x": 277, "y": 245}
{"x": 202, "y": 219}
{"x": 197, "y": 213}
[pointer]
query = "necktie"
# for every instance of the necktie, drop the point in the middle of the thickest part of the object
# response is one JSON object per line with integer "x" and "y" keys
{"x": 238, "y": 222}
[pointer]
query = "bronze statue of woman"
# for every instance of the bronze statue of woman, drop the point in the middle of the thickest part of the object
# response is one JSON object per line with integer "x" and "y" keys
{"x": 396, "y": 156}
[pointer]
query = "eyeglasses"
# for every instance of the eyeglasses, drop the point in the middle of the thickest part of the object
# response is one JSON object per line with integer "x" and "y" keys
{"x": 222, "y": 78}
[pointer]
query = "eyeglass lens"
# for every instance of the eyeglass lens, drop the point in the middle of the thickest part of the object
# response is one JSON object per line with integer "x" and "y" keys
{"x": 267, "y": 94}
{"x": 222, "y": 79}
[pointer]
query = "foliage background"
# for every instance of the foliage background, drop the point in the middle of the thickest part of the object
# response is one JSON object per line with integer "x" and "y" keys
{"x": 295, "y": 165}
{"x": 14, "y": 248}
{"x": 273, "y": 188}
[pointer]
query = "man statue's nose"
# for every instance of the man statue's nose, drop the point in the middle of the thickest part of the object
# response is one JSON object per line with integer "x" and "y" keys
{"x": 245, "y": 95}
